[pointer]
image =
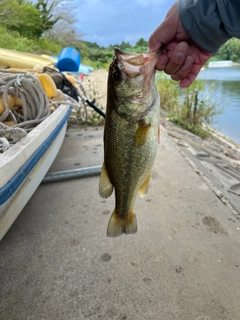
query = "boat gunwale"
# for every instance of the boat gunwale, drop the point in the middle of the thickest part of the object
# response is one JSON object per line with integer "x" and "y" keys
{"x": 10, "y": 187}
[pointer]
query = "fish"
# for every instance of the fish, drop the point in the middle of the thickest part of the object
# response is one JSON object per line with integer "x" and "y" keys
{"x": 131, "y": 135}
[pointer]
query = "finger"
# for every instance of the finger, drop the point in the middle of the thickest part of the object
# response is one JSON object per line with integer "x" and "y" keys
{"x": 184, "y": 83}
{"x": 184, "y": 70}
{"x": 177, "y": 58}
{"x": 162, "y": 62}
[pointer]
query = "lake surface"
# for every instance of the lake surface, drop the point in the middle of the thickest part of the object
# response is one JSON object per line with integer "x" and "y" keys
{"x": 222, "y": 85}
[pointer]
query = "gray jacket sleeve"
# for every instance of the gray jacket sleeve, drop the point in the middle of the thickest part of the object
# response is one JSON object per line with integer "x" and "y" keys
{"x": 210, "y": 23}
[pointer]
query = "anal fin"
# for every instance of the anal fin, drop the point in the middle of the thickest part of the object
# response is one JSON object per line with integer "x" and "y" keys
{"x": 105, "y": 185}
{"x": 144, "y": 187}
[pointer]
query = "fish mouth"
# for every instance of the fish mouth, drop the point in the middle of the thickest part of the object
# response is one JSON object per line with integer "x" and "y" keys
{"x": 135, "y": 64}
{"x": 137, "y": 72}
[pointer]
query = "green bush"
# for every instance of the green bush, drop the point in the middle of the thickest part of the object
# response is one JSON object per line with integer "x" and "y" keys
{"x": 14, "y": 41}
{"x": 169, "y": 94}
{"x": 188, "y": 107}
{"x": 45, "y": 46}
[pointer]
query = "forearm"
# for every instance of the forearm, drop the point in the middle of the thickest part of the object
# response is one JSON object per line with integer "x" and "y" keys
{"x": 210, "y": 23}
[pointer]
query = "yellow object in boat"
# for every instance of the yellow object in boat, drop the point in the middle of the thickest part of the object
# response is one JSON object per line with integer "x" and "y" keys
{"x": 48, "y": 85}
{"x": 17, "y": 101}
{"x": 53, "y": 60}
{"x": 22, "y": 60}
{"x": 2, "y": 105}
{"x": 52, "y": 109}
{"x": 18, "y": 70}
{"x": 72, "y": 80}
{"x": 37, "y": 69}
{"x": 59, "y": 96}
{"x": 9, "y": 123}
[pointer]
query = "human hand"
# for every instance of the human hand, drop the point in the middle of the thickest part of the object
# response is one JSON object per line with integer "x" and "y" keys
{"x": 181, "y": 57}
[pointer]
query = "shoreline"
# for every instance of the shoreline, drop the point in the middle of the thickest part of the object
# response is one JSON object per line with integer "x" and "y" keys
{"x": 227, "y": 147}
{"x": 218, "y": 145}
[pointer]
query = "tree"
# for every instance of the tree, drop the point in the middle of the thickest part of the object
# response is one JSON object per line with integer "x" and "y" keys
{"x": 20, "y": 16}
{"x": 229, "y": 51}
{"x": 33, "y": 19}
{"x": 124, "y": 45}
{"x": 63, "y": 31}
{"x": 141, "y": 43}
{"x": 45, "y": 9}
{"x": 141, "y": 46}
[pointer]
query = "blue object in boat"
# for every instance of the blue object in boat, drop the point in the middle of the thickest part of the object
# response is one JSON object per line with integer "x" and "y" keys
{"x": 88, "y": 67}
{"x": 84, "y": 70}
{"x": 69, "y": 60}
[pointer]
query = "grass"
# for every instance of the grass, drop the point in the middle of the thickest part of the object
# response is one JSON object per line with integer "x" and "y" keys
{"x": 13, "y": 41}
{"x": 188, "y": 108}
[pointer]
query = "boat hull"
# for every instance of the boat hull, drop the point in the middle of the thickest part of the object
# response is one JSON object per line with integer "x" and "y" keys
{"x": 25, "y": 164}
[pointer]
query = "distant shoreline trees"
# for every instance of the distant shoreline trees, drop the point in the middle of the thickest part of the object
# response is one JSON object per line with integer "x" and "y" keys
{"x": 49, "y": 25}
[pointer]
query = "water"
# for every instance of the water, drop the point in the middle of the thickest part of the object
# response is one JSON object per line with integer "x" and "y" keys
{"x": 224, "y": 85}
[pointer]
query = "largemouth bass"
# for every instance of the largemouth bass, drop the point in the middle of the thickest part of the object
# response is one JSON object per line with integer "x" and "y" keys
{"x": 131, "y": 135}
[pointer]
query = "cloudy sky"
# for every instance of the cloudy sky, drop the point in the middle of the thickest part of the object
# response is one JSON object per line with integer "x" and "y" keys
{"x": 113, "y": 21}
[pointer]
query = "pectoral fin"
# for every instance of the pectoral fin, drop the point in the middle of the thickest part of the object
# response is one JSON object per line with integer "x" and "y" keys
{"x": 141, "y": 135}
{"x": 144, "y": 187}
{"x": 105, "y": 185}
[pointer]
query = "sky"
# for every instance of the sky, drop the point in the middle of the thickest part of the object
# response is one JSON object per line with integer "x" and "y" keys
{"x": 109, "y": 22}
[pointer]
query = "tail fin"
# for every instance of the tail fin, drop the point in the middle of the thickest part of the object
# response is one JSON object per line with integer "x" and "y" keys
{"x": 121, "y": 224}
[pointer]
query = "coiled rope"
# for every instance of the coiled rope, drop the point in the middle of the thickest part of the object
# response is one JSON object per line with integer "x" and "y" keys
{"x": 35, "y": 103}
{"x": 34, "y": 109}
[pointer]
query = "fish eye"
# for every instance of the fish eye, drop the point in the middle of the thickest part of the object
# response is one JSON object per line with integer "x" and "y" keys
{"x": 117, "y": 75}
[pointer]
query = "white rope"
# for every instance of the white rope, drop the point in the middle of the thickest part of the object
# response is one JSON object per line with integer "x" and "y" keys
{"x": 36, "y": 105}
{"x": 4, "y": 145}
{"x": 67, "y": 100}
{"x": 19, "y": 79}
{"x": 11, "y": 133}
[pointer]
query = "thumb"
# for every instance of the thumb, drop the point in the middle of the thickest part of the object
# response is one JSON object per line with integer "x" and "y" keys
{"x": 153, "y": 44}
{"x": 166, "y": 31}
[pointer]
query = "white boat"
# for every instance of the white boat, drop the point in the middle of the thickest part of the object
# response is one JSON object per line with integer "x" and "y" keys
{"x": 220, "y": 64}
{"x": 24, "y": 165}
